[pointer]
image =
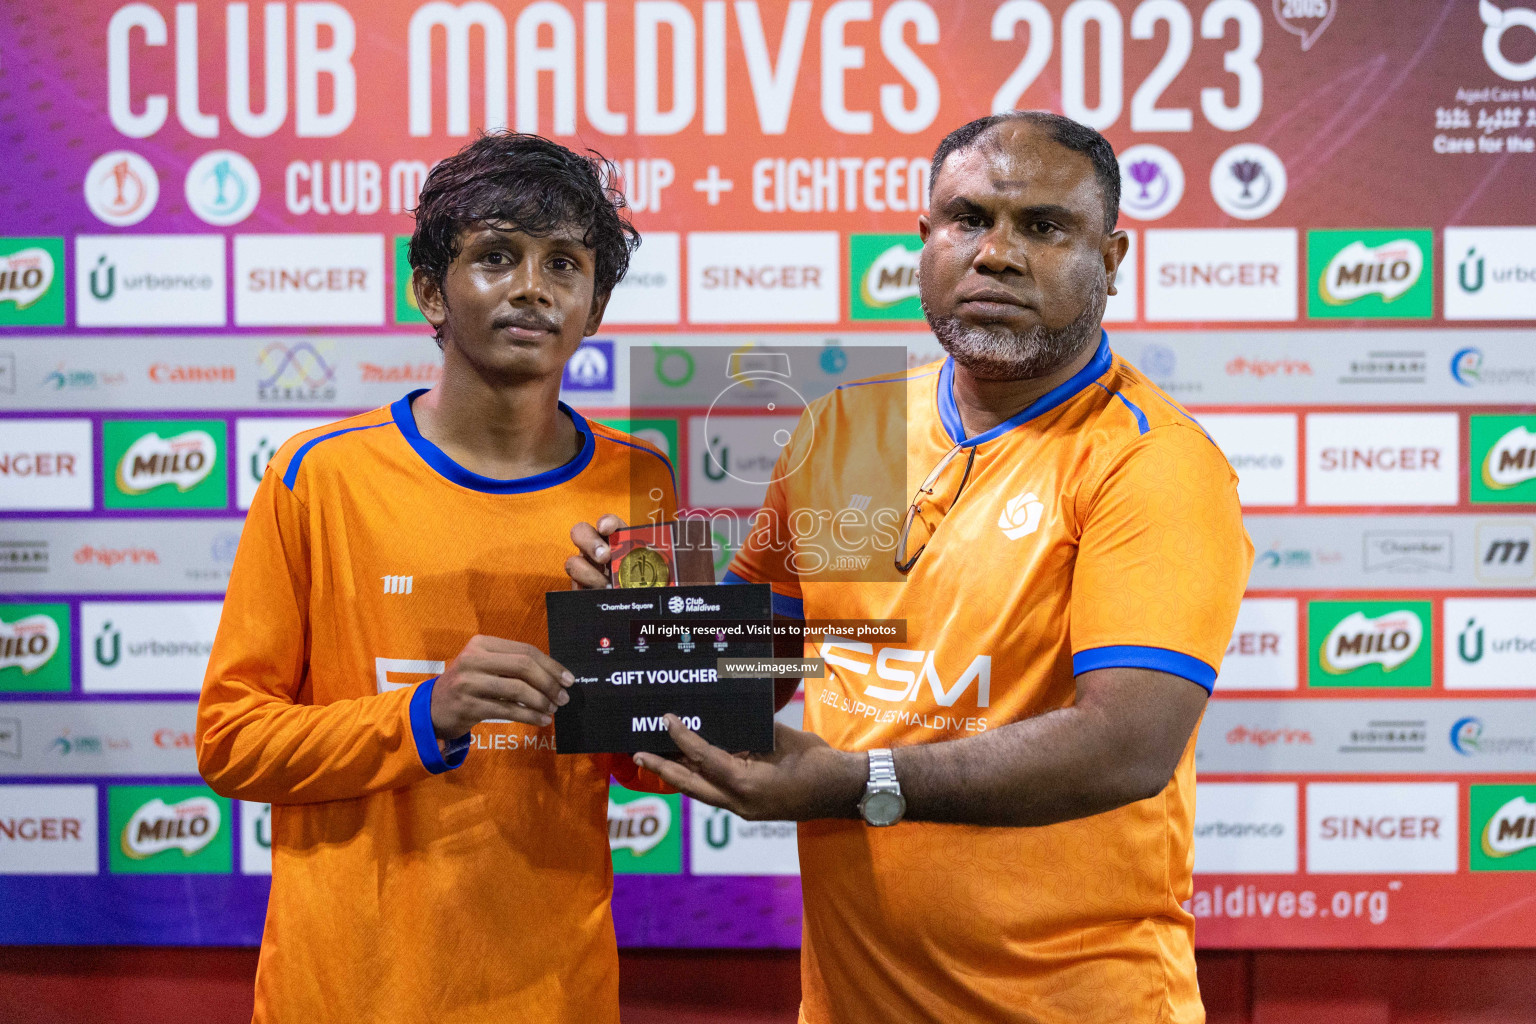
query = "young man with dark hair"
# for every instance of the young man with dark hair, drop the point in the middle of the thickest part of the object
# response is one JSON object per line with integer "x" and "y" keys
{"x": 380, "y": 674}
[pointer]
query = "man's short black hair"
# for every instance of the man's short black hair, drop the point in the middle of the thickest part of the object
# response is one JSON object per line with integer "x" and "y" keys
{"x": 529, "y": 184}
{"x": 1069, "y": 133}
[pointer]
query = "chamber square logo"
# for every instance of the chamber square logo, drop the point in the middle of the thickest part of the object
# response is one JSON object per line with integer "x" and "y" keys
{"x": 883, "y": 277}
{"x": 644, "y": 832}
{"x": 1370, "y": 274}
{"x": 1369, "y": 643}
{"x": 34, "y": 648}
{"x": 169, "y": 830}
{"x": 1503, "y": 459}
{"x": 406, "y": 310}
{"x": 31, "y": 281}
{"x": 1502, "y": 835}
{"x": 164, "y": 464}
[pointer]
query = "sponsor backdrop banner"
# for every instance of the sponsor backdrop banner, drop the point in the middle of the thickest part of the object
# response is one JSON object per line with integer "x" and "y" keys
{"x": 1332, "y": 264}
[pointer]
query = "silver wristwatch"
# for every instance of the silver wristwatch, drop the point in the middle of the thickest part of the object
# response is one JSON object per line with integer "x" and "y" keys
{"x": 882, "y": 803}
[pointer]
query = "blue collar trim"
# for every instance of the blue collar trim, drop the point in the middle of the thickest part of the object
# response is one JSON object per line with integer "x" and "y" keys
{"x": 446, "y": 467}
{"x": 949, "y": 413}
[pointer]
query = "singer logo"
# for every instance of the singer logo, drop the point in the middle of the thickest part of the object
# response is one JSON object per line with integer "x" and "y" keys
{"x": 1021, "y": 516}
{"x": 156, "y": 827}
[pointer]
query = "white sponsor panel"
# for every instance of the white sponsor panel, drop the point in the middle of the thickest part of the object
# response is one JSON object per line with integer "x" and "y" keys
{"x": 1377, "y": 827}
{"x": 732, "y": 458}
{"x": 1490, "y": 273}
{"x": 1218, "y": 275}
{"x": 1121, "y": 307}
{"x": 1506, "y": 549}
{"x": 48, "y": 830}
{"x": 149, "y": 281}
{"x": 255, "y": 838}
{"x": 257, "y": 439}
{"x": 309, "y": 280}
{"x": 146, "y": 646}
{"x": 1382, "y": 458}
{"x": 1262, "y": 450}
{"x": 46, "y": 464}
{"x": 764, "y": 277}
{"x": 1246, "y": 828}
{"x": 651, "y": 292}
{"x": 720, "y": 843}
{"x": 1262, "y": 654}
{"x": 1490, "y": 643}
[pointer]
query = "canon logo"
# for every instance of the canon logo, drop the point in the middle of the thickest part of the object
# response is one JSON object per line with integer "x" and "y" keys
{"x": 165, "y": 373}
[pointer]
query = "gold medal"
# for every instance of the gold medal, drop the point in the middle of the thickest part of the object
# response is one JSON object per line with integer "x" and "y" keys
{"x": 644, "y": 567}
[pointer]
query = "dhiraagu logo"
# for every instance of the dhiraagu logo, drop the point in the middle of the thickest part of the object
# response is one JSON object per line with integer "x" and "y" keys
{"x": 1502, "y": 836}
{"x": 31, "y": 281}
{"x": 644, "y": 832}
{"x": 406, "y": 310}
{"x": 1503, "y": 459}
{"x": 169, "y": 830}
{"x": 1369, "y": 643}
{"x": 34, "y": 648}
{"x": 164, "y": 464}
{"x": 884, "y": 277}
{"x": 1370, "y": 274}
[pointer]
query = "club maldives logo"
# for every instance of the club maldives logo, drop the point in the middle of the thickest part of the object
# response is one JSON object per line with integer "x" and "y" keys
{"x": 1370, "y": 274}
{"x": 165, "y": 464}
{"x": 32, "y": 637}
{"x": 643, "y": 833}
{"x": 1371, "y": 643}
{"x": 883, "y": 272}
{"x": 1503, "y": 828}
{"x": 169, "y": 830}
{"x": 1503, "y": 452}
{"x": 222, "y": 187}
{"x": 29, "y": 269}
{"x": 1154, "y": 182}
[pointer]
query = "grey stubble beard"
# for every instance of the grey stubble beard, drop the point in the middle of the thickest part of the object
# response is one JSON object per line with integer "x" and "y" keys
{"x": 996, "y": 353}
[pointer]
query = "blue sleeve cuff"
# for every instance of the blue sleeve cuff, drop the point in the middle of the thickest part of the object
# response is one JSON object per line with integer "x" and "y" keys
{"x": 435, "y": 760}
{"x": 785, "y": 607}
{"x": 1158, "y": 658}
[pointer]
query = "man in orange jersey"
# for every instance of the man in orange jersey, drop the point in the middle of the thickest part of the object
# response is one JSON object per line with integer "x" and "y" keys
{"x": 379, "y": 674}
{"x": 1069, "y": 575}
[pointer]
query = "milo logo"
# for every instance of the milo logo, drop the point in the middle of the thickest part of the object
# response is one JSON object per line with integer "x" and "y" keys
{"x": 1357, "y": 641}
{"x": 25, "y": 276}
{"x": 640, "y": 825}
{"x": 1511, "y": 461}
{"x": 891, "y": 278}
{"x": 1358, "y": 270}
{"x": 28, "y": 643}
{"x": 157, "y": 827}
{"x": 153, "y": 461}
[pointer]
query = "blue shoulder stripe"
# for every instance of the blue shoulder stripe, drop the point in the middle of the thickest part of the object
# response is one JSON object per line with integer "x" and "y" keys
{"x": 649, "y": 451}
{"x": 292, "y": 476}
{"x": 1141, "y": 417}
{"x": 1175, "y": 663}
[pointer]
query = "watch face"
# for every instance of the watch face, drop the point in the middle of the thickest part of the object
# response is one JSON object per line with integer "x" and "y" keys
{"x": 884, "y": 808}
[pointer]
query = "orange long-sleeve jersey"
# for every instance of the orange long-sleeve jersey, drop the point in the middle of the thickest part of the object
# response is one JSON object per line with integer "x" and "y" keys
{"x": 410, "y": 883}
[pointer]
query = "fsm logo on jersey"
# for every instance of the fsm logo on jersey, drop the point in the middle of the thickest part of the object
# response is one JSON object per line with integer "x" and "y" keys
{"x": 164, "y": 464}
{"x": 168, "y": 830}
{"x": 1503, "y": 457}
{"x": 590, "y": 368}
{"x": 1370, "y": 274}
{"x": 31, "y": 282}
{"x": 1369, "y": 643}
{"x": 34, "y": 648}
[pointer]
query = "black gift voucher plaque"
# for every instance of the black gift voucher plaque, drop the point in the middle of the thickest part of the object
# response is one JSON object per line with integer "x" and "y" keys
{"x": 641, "y": 654}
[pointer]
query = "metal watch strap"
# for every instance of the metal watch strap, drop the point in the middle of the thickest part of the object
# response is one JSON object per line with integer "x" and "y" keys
{"x": 882, "y": 768}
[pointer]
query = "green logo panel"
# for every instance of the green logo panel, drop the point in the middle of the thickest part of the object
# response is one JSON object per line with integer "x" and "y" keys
{"x": 660, "y": 432}
{"x": 1501, "y": 830}
{"x": 164, "y": 464}
{"x": 1374, "y": 275}
{"x": 1503, "y": 459}
{"x": 34, "y": 648}
{"x": 645, "y": 832}
{"x": 1369, "y": 643}
{"x": 31, "y": 282}
{"x": 883, "y": 277}
{"x": 169, "y": 830}
{"x": 406, "y": 310}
